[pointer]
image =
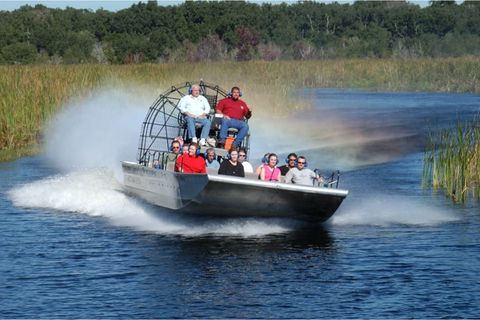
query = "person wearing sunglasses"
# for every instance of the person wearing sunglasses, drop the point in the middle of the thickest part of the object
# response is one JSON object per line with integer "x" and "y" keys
{"x": 300, "y": 174}
{"x": 291, "y": 162}
{"x": 172, "y": 156}
{"x": 242, "y": 158}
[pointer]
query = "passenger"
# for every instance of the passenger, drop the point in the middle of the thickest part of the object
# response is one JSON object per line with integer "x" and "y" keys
{"x": 231, "y": 166}
{"x": 195, "y": 109}
{"x": 301, "y": 175}
{"x": 264, "y": 161}
{"x": 173, "y": 154}
{"x": 191, "y": 162}
{"x": 210, "y": 160}
{"x": 291, "y": 162}
{"x": 269, "y": 171}
{"x": 242, "y": 158}
{"x": 234, "y": 111}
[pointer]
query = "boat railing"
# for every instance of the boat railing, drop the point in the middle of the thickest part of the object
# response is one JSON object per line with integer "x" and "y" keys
{"x": 330, "y": 181}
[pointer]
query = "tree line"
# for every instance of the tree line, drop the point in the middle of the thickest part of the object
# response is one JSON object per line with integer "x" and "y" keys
{"x": 213, "y": 31}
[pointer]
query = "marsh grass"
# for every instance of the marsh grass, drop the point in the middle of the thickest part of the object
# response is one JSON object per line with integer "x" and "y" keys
{"x": 30, "y": 95}
{"x": 452, "y": 161}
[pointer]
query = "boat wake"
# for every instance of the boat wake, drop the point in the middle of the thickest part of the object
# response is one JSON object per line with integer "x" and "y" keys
{"x": 389, "y": 210}
{"x": 97, "y": 193}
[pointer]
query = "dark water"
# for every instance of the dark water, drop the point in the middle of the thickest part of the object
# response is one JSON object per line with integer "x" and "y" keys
{"x": 74, "y": 246}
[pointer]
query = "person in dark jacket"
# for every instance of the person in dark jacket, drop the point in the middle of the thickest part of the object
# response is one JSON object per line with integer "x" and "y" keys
{"x": 231, "y": 166}
{"x": 291, "y": 162}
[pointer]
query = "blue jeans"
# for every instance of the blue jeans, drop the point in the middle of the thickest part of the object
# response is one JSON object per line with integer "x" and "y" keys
{"x": 240, "y": 125}
{"x": 191, "y": 127}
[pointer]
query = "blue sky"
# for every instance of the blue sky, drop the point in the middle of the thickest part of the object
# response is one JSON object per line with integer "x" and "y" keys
{"x": 79, "y": 4}
{"x": 111, "y": 5}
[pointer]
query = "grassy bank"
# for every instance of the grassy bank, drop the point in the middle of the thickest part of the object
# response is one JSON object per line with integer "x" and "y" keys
{"x": 30, "y": 95}
{"x": 452, "y": 161}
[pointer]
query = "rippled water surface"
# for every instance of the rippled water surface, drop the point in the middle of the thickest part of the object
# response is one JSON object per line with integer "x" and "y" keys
{"x": 73, "y": 245}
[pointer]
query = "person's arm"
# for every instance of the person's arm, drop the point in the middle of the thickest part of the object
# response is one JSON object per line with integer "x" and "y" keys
{"x": 289, "y": 177}
{"x": 262, "y": 173}
{"x": 206, "y": 108}
{"x": 241, "y": 172}
{"x": 182, "y": 104}
{"x": 248, "y": 112}
{"x": 178, "y": 165}
{"x": 278, "y": 174}
{"x": 220, "y": 107}
{"x": 221, "y": 170}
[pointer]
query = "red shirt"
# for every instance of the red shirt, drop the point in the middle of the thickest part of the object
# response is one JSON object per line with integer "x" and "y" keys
{"x": 190, "y": 164}
{"x": 235, "y": 109}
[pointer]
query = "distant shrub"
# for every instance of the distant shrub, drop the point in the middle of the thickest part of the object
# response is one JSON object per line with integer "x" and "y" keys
{"x": 19, "y": 53}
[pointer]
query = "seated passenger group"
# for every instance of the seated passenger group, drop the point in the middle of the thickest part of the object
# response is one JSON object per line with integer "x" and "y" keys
{"x": 192, "y": 161}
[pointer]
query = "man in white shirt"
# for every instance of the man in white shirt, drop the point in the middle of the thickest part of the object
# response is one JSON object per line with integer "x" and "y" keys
{"x": 195, "y": 109}
{"x": 242, "y": 158}
{"x": 300, "y": 174}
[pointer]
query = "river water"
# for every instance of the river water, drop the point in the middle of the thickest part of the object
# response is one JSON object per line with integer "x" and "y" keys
{"x": 74, "y": 246}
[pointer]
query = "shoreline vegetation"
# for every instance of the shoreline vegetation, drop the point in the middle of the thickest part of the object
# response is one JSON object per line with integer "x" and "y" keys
{"x": 195, "y": 31}
{"x": 31, "y": 94}
{"x": 452, "y": 161}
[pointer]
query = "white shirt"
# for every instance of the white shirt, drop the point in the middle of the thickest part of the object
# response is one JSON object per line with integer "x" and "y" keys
{"x": 194, "y": 105}
{"x": 304, "y": 177}
{"x": 247, "y": 167}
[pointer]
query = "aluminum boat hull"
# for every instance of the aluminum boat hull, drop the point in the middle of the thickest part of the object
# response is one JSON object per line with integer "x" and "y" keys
{"x": 219, "y": 195}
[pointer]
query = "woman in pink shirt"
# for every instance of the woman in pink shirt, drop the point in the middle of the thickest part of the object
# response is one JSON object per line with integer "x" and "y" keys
{"x": 269, "y": 171}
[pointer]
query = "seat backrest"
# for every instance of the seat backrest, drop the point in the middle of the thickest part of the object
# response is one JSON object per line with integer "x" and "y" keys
{"x": 251, "y": 175}
{"x": 170, "y": 166}
{"x": 212, "y": 101}
{"x": 212, "y": 171}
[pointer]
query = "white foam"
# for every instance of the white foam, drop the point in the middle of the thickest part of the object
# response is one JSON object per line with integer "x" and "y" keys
{"x": 97, "y": 193}
{"x": 381, "y": 210}
{"x": 97, "y": 132}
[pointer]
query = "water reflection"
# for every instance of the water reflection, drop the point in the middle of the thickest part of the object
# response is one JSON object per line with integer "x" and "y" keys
{"x": 304, "y": 237}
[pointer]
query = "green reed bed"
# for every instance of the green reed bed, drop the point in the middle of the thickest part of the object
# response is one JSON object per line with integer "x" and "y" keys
{"x": 30, "y": 95}
{"x": 452, "y": 161}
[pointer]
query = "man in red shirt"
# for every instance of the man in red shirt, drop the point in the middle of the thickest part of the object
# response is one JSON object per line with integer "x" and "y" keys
{"x": 190, "y": 162}
{"x": 234, "y": 112}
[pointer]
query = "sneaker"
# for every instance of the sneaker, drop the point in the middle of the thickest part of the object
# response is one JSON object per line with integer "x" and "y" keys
{"x": 202, "y": 142}
{"x": 211, "y": 142}
{"x": 194, "y": 140}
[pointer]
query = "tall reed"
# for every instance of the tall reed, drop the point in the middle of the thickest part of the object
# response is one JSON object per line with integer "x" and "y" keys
{"x": 452, "y": 161}
{"x": 30, "y": 95}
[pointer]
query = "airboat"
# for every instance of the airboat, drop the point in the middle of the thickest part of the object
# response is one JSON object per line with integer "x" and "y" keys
{"x": 152, "y": 178}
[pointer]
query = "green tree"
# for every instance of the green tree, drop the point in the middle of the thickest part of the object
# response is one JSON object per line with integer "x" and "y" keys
{"x": 19, "y": 53}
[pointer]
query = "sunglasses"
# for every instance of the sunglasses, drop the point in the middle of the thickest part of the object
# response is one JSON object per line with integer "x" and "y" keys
{"x": 241, "y": 155}
{"x": 301, "y": 162}
{"x": 292, "y": 159}
{"x": 175, "y": 147}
